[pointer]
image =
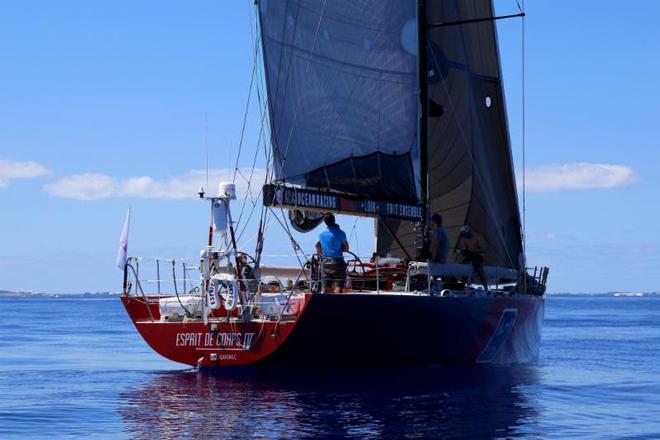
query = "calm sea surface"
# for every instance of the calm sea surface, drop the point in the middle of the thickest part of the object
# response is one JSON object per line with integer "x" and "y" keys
{"x": 76, "y": 368}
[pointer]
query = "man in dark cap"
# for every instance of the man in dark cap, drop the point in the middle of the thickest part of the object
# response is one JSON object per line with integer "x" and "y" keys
{"x": 472, "y": 252}
{"x": 331, "y": 246}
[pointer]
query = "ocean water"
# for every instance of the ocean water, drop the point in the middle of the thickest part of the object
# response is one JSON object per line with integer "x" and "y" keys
{"x": 76, "y": 368}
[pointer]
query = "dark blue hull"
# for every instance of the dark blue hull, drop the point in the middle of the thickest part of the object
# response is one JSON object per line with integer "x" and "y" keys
{"x": 355, "y": 330}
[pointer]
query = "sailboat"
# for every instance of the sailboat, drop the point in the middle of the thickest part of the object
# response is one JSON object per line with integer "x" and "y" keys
{"x": 387, "y": 109}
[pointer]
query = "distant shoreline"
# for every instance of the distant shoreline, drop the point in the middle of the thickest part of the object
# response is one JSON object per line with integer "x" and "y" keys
{"x": 29, "y": 294}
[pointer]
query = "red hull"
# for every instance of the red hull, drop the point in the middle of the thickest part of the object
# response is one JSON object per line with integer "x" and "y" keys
{"x": 216, "y": 344}
{"x": 357, "y": 330}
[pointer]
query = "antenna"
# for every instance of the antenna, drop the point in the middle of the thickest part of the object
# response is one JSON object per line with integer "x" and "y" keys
{"x": 206, "y": 145}
{"x": 524, "y": 136}
{"x": 231, "y": 161}
{"x": 523, "y": 132}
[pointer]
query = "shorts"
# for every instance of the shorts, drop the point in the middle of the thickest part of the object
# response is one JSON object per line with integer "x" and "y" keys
{"x": 473, "y": 258}
{"x": 334, "y": 271}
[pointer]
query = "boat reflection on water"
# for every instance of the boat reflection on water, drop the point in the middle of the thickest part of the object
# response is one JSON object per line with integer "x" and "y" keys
{"x": 466, "y": 402}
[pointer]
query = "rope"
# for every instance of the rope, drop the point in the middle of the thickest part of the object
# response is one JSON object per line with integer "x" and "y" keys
{"x": 245, "y": 114}
{"x": 139, "y": 286}
{"x": 176, "y": 290}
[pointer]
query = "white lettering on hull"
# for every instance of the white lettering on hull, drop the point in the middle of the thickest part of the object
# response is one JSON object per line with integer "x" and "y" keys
{"x": 241, "y": 341}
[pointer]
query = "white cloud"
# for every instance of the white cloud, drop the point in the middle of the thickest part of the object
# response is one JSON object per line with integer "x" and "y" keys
{"x": 87, "y": 186}
{"x": 580, "y": 175}
{"x": 10, "y": 170}
{"x": 91, "y": 186}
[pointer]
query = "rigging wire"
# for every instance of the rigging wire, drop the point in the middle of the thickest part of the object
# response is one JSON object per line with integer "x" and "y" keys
{"x": 248, "y": 240}
{"x": 260, "y": 139}
{"x": 264, "y": 133}
{"x": 353, "y": 234}
{"x": 245, "y": 115}
{"x": 294, "y": 244}
{"x": 249, "y": 217}
{"x": 249, "y": 97}
{"x": 262, "y": 112}
{"x": 524, "y": 138}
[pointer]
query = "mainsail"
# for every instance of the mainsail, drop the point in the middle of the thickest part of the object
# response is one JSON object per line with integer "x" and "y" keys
{"x": 470, "y": 168}
{"x": 342, "y": 94}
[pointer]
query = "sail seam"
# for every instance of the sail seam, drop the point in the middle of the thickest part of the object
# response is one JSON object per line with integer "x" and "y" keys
{"x": 335, "y": 61}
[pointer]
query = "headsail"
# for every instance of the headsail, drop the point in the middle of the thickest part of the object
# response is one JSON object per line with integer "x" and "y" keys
{"x": 342, "y": 92}
{"x": 471, "y": 179}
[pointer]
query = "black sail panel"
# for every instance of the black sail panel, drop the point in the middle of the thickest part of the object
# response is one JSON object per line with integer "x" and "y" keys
{"x": 471, "y": 178}
{"x": 396, "y": 238}
{"x": 470, "y": 164}
{"x": 342, "y": 91}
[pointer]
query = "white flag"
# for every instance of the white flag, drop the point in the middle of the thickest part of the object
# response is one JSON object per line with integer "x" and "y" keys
{"x": 123, "y": 242}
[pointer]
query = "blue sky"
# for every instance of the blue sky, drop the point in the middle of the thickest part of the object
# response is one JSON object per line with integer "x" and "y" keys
{"x": 103, "y": 104}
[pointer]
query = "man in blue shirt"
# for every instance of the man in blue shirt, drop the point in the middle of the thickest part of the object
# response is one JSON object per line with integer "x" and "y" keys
{"x": 438, "y": 249}
{"x": 331, "y": 246}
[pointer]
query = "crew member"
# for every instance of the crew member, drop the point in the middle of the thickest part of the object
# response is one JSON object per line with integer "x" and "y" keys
{"x": 248, "y": 277}
{"x": 472, "y": 252}
{"x": 331, "y": 246}
{"x": 439, "y": 248}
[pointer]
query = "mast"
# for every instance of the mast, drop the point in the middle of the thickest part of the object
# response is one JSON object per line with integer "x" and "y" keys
{"x": 422, "y": 68}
